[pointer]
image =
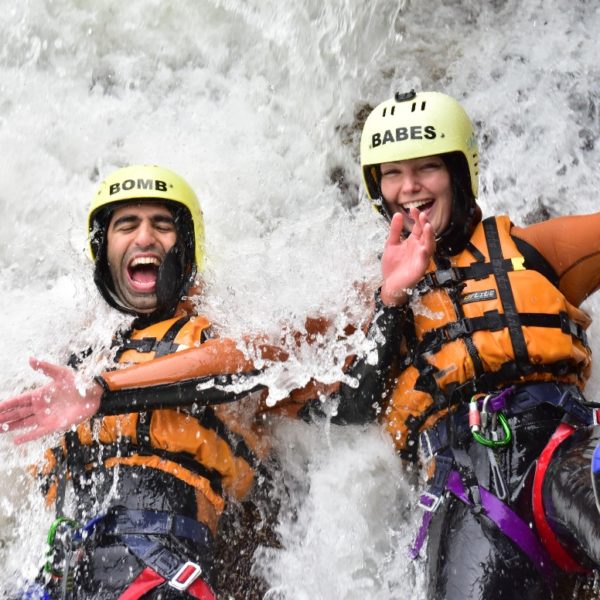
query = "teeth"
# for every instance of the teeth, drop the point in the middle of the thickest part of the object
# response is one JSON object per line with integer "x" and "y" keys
{"x": 416, "y": 204}
{"x": 145, "y": 260}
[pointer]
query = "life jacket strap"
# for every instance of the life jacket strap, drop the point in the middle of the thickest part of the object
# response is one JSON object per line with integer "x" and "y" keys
{"x": 82, "y": 454}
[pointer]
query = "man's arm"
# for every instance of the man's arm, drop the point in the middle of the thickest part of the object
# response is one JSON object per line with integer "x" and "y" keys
{"x": 172, "y": 380}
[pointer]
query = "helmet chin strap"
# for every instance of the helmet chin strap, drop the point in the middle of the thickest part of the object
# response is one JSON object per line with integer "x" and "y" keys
{"x": 172, "y": 282}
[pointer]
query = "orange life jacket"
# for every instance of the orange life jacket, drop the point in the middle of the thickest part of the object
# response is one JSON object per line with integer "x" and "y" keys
{"x": 214, "y": 450}
{"x": 482, "y": 320}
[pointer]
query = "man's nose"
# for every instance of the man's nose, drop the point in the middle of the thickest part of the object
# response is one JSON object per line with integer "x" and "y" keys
{"x": 145, "y": 235}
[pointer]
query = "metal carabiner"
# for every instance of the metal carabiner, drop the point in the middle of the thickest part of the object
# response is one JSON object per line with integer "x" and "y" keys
{"x": 495, "y": 443}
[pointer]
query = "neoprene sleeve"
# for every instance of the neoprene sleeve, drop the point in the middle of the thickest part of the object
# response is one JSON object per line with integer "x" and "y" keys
{"x": 201, "y": 391}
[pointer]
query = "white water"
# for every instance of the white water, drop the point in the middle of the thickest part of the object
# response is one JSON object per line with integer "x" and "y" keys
{"x": 254, "y": 102}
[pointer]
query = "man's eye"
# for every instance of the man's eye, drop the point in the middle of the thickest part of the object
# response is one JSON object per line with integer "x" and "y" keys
{"x": 165, "y": 227}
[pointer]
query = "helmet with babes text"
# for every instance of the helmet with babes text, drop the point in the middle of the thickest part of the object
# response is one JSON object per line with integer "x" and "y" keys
{"x": 149, "y": 183}
{"x": 415, "y": 125}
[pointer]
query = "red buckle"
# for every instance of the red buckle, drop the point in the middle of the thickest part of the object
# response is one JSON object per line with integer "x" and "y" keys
{"x": 187, "y": 574}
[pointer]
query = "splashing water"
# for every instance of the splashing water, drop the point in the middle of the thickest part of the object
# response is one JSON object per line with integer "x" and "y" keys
{"x": 259, "y": 104}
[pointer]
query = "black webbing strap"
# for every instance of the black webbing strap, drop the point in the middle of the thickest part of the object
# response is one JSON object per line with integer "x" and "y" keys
{"x": 209, "y": 420}
{"x": 507, "y": 298}
{"x": 167, "y": 345}
{"x": 494, "y": 321}
{"x": 96, "y": 454}
{"x": 160, "y": 347}
{"x": 450, "y": 276}
{"x": 475, "y": 252}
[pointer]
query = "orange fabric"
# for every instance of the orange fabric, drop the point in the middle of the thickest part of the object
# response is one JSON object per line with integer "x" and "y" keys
{"x": 213, "y": 357}
{"x": 175, "y": 431}
{"x": 186, "y": 338}
{"x": 533, "y": 293}
{"x": 571, "y": 245}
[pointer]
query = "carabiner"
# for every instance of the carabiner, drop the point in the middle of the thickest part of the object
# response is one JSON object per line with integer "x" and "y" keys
{"x": 495, "y": 443}
{"x": 51, "y": 541}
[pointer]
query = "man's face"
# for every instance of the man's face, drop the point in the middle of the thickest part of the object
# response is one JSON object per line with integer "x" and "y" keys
{"x": 138, "y": 237}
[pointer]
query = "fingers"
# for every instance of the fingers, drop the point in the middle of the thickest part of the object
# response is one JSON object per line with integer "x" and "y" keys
{"x": 417, "y": 218}
{"x": 396, "y": 234}
{"x": 34, "y": 434}
{"x": 48, "y": 369}
{"x": 18, "y": 403}
{"x": 428, "y": 238}
{"x": 10, "y": 418}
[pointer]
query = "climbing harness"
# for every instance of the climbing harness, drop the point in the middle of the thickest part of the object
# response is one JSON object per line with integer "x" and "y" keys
{"x": 454, "y": 472}
{"x": 154, "y": 537}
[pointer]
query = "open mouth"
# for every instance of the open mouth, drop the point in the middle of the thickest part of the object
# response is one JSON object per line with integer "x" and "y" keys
{"x": 420, "y": 205}
{"x": 143, "y": 273}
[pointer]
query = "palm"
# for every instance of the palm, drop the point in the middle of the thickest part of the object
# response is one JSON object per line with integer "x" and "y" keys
{"x": 405, "y": 260}
{"x": 54, "y": 406}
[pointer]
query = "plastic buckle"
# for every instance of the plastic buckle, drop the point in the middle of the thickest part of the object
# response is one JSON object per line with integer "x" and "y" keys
{"x": 187, "y": 574}
{"x": 444, "y": 277}
{"x": 435, "y": 501}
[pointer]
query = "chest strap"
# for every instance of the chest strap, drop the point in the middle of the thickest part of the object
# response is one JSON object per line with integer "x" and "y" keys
{"x": 80, "y": 455}
{"x": 160, "y": 347}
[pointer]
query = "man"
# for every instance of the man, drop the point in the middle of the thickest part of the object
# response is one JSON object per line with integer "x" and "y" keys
{"x": 160, "y": 445}
{"x": 149, "y": 485}
{"x": 491, "y": 360}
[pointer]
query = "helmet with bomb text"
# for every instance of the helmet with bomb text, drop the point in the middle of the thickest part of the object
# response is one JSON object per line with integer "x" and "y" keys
{"x": 139, "y": 184}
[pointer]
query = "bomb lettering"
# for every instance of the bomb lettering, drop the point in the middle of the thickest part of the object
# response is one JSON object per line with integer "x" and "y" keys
{"x": 140, "y": 184}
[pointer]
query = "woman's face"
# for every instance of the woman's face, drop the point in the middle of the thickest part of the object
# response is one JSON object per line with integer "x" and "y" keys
{"x": 421, "y": 183}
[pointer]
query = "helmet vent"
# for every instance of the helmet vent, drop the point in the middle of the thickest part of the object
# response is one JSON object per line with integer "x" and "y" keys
{"x": 414, "y": 106}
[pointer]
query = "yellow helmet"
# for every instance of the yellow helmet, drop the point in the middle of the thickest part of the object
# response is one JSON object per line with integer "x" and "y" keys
{"x": 413, "y": 125}
{"x": 147, "y": 182}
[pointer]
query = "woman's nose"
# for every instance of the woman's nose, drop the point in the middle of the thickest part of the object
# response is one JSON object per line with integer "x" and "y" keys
{"x": 410, "y": 183}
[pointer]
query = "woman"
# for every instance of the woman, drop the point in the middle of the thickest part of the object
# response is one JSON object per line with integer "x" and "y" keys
{"x": 491, "y": 363}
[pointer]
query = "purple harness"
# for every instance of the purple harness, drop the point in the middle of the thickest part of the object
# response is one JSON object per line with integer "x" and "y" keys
{"x": 447, "y": 477}
{"x": 511, "y": 525}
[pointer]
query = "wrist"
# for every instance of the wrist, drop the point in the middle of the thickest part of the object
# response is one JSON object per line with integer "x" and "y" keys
{"x": 93, "y": 396}
{"x": 393, "y": 298}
